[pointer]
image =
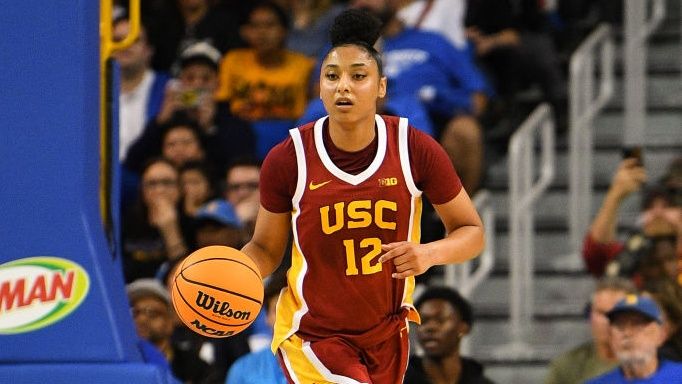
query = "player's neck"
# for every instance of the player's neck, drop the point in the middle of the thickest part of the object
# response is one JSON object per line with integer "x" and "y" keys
{"x": 352, "y": 136}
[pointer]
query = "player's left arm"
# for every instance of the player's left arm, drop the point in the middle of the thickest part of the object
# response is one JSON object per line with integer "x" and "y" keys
{"x": 465, "y": 239}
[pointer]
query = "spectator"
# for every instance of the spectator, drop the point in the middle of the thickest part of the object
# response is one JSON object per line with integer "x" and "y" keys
{"x": 450, "y": 87}
{"x": 311, "y": 20}
{"x": 446, "y": 318}
{"x": 177, "y": 24}
{"x": 155, "y": 321}
{"x": 261, "y": 367}
{"x": 182, "y": 142}
{"x": 218, "y": 224}
{"x": 512, "y": 43}
{"x": 266, "y": 84}
{"x": 659, "y": 217}
{"x": 445, "y": 17}
{"x": 594, "y": 357}
{"x": 190, "y": 98}
{"x": 242, "y": 181}
{"x": 154, "y": 228}
{"x": 197, "y": 186}
{"x": 635, "y": 329}
{"x": 141, "y": 87}
{"x": 139, "y": 100}
{"x": 656, "y": 260}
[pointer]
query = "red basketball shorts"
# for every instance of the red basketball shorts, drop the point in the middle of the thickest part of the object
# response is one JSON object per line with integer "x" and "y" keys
{"x": 336, "y": 360}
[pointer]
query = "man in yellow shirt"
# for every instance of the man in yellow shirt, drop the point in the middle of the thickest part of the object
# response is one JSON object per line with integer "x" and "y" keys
{"x": 266, "y": 84}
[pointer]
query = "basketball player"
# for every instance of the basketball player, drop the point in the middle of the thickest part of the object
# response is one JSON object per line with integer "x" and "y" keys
{"x": 349, "y": 187}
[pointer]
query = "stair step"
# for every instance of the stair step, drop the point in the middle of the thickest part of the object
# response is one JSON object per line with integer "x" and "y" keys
{"x": 554, "y": 295}
{"x": 662, "y": 57}
{"x": 552, "y": 250}
{"x": 515, "y": 374}
{"x": 656, "y": 160}
{"x": 663, "y": 90}
{"x": 547, "y": 338}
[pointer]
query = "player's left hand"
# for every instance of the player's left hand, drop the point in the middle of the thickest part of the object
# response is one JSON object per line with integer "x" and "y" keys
{"x": 409, "y": 259}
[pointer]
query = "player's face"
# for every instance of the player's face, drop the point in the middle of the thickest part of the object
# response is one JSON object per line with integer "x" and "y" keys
{"x": 635, "y": 338}
{"x": 350, "y": 84}
{"x": 602, "y": 302}
{"x": 441, "y": 328}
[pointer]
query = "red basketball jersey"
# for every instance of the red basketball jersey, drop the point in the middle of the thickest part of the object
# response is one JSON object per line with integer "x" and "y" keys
{"x": 337, "y": 287}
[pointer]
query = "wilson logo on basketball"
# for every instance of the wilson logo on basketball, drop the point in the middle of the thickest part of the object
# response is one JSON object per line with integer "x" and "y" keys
{"x": 38, "y": 291}
{"x": 209, "y": 303}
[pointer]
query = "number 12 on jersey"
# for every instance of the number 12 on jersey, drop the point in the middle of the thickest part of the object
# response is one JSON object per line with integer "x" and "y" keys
{"x": 367, "y": 262}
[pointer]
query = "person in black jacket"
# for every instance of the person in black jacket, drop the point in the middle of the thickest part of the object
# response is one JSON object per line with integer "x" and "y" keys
{"x": 446, "y": 318}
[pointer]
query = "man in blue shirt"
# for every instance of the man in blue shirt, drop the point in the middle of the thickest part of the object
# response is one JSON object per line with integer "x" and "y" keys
{"x": 636, "y": 333}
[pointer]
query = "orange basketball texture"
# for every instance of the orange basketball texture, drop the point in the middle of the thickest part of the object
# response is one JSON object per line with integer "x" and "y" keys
{"x": 217, "y": 291}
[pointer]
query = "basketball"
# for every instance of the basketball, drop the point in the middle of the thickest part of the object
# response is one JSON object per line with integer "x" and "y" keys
{"x": 217, "y": 291}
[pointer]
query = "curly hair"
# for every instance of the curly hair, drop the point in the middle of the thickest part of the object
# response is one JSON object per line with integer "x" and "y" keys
{"x": 359, "y": 28}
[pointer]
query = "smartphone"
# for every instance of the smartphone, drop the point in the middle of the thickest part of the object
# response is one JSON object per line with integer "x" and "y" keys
{"x": 190, "y": 98}
{"x": 634, "y": 153}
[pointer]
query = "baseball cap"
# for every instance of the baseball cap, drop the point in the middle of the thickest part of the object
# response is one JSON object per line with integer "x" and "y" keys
{"x": 639, "y": 304}
{"x": 141, "y": 288}
{"x": 200, "y": 52}
{"x": 220, "y": 211}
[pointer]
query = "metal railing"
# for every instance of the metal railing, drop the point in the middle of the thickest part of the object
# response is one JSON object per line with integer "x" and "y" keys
{"x": 460, "y": 276}
{"x": 637, "y": 32}
{"x": 583, "y": 108}
{"x": 523, "y": 193}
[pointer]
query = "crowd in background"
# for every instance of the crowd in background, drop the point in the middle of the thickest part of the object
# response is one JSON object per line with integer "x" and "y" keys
{"x": 209, "y": 86}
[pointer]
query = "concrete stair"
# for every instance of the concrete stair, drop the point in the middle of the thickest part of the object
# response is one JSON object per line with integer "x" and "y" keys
{"x": 562, "y": 287}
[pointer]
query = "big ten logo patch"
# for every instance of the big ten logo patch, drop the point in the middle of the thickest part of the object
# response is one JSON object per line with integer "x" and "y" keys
{"x": 388, "y": 181}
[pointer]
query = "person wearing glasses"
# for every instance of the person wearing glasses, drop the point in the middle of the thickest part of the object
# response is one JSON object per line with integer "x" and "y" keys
{"x": 242, "y": 182}
{"x": 155, "y": 323}
{"x": 636, "y": 331}
{"x": 155, "y": 230}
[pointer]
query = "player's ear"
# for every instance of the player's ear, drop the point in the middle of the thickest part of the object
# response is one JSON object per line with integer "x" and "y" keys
{"x": 383, "y": 83}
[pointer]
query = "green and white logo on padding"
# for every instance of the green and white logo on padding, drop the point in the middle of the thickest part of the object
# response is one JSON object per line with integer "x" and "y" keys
{"x": 38, "y": 291}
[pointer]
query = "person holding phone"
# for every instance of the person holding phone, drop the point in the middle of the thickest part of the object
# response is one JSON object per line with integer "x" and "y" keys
{"x": 190, "y": 96}
{"x": 658, "y": 216}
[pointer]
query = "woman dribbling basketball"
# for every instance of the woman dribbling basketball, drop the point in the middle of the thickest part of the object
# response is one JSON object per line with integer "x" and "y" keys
{"x": 349, "y": 187}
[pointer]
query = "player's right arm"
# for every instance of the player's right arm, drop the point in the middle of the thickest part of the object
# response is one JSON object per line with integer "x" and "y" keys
{"x": 269, "y": 240}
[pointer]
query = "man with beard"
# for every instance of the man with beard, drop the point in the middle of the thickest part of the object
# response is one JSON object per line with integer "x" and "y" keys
{"x": 446, "y": 318}
{"x": 636, "y": 333}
